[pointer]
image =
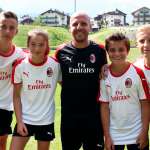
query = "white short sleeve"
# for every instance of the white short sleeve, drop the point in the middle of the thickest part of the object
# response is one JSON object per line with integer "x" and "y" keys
{"x": 141, "y": 92}
{"x": 103, "y": 92}
{"x": 17, "y": 75}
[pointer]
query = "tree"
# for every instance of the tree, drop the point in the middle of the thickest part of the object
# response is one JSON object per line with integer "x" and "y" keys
{"x": 38, "y": 21}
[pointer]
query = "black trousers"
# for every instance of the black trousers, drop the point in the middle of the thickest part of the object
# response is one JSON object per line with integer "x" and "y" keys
{"x": 74, "y": 138}
{"x": 130, "y": 147}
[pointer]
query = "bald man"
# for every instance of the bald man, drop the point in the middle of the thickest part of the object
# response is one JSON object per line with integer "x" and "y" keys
{"x": 81, "y": 61}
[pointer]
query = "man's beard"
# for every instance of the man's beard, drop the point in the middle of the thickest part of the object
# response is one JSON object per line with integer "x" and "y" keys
{"x": 80, "y": 37}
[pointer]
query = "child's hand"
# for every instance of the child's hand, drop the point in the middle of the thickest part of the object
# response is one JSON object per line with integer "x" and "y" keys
{"x": 104, "y": 72}
{"x": 142, "y": 140}
{"x": 22, "y": 129}
{"x": 109, "y": 143}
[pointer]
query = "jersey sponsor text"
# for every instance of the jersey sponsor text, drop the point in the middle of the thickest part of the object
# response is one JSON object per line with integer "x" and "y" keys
{"x": 81, "y": 68}
{"x": 4, "y": 76}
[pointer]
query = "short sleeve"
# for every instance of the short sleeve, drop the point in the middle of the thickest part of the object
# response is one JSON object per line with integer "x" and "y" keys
{"x": 103, "y": 92}
{"x": 142, "y": 87}
{"x": 142, "y": 91}
{"x": 16, "y": 75}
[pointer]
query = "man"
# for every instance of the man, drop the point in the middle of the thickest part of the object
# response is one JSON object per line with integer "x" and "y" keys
{"x": 8, "y": 54}
{"x": 81, "y": 61}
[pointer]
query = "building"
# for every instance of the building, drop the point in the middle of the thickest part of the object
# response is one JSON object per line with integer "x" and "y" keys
{"x": 112, "y": 18}
{"x": 98, "y": 20}
{"x": 141, "y": 16}
{"x": 94, "y": 25}
{"x": 54, "y": 18}
{"x": 26, "y": 19}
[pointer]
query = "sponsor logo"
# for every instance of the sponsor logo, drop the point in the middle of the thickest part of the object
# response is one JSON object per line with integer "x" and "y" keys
{"x": 26, "y": 74}
{"x": 99, "y": 145}
{"x": 5, "y": 75}
{"x": 39, "y": 84}
{"x": 69, "y": 58}
{"x": 81, "y": 68}
{"x": 119, "y": 96}
{"x": 49, "y": 133}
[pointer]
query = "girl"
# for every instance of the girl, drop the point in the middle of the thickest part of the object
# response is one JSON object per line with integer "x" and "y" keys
{"x": 124, "y": 94}
{"x": 35, "y": 79}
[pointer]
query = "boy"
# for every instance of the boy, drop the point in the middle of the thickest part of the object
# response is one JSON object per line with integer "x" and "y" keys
{"x": 143, "y": 43}
{"x": 124, "y": 94}
{"x": 8, "y": 54}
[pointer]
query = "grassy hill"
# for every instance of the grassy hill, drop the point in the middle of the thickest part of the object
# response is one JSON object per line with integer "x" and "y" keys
{"x": 100, "y": 36}
{"x": 57, "y": 35}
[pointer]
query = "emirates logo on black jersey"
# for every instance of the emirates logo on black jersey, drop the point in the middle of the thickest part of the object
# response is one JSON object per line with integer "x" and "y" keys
{"x": 92, "y": 58}
{"x": 128, "y": 83}
{"x": 49, "y": 72}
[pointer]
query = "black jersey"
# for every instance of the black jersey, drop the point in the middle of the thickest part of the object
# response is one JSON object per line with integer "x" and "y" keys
{"x": 80, "y": 82}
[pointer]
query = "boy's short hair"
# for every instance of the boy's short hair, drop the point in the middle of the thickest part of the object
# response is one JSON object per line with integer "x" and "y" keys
{"x": 117, "y": 37}
{"x": 9, "y": 14}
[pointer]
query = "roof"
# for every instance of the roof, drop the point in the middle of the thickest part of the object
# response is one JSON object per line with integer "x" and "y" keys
{"x": 116, "y": 12}
{"x": 27, "y": 19}
{"x": 140, "y": 9}
{"x": 98, "y": 17}
{"x": 54, "y": 11}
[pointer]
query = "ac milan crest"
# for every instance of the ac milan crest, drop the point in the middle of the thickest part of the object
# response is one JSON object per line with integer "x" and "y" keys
{"x": 128, "y": 83}
{"x": 49, "y": 72}
{"x": 92, "y": 58}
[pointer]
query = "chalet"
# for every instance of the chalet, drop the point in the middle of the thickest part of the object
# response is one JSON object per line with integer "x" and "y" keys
{"x": 26, "y": 19}
{"x": 98, "y": 20}
{"x": 54, "y": 18}
{"x": 141, "y": 16}
{"x": 94, "y": 25}
{"x": 112, "y": 18}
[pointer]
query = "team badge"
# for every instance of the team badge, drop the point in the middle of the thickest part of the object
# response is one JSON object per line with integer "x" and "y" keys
{"x": 49, "y": 72}
{"x": 128, "y": 83}
{"x": 92, "y": 58}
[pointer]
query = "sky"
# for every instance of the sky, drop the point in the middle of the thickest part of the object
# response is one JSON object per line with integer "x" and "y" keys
{"x": 92, "y": 7}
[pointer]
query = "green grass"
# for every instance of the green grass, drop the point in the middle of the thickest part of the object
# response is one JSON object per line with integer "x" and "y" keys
{"x": 58, "y": 36}
{"x": 99, "y": 37}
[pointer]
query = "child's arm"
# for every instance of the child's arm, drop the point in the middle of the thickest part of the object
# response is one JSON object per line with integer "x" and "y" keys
{"x": 21, "y": 128}
{"x": 17, "y": 102}
{"x": 145, "y": 115}
{"x": 104, "y": 72}
{"x": 105, "y": 116}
